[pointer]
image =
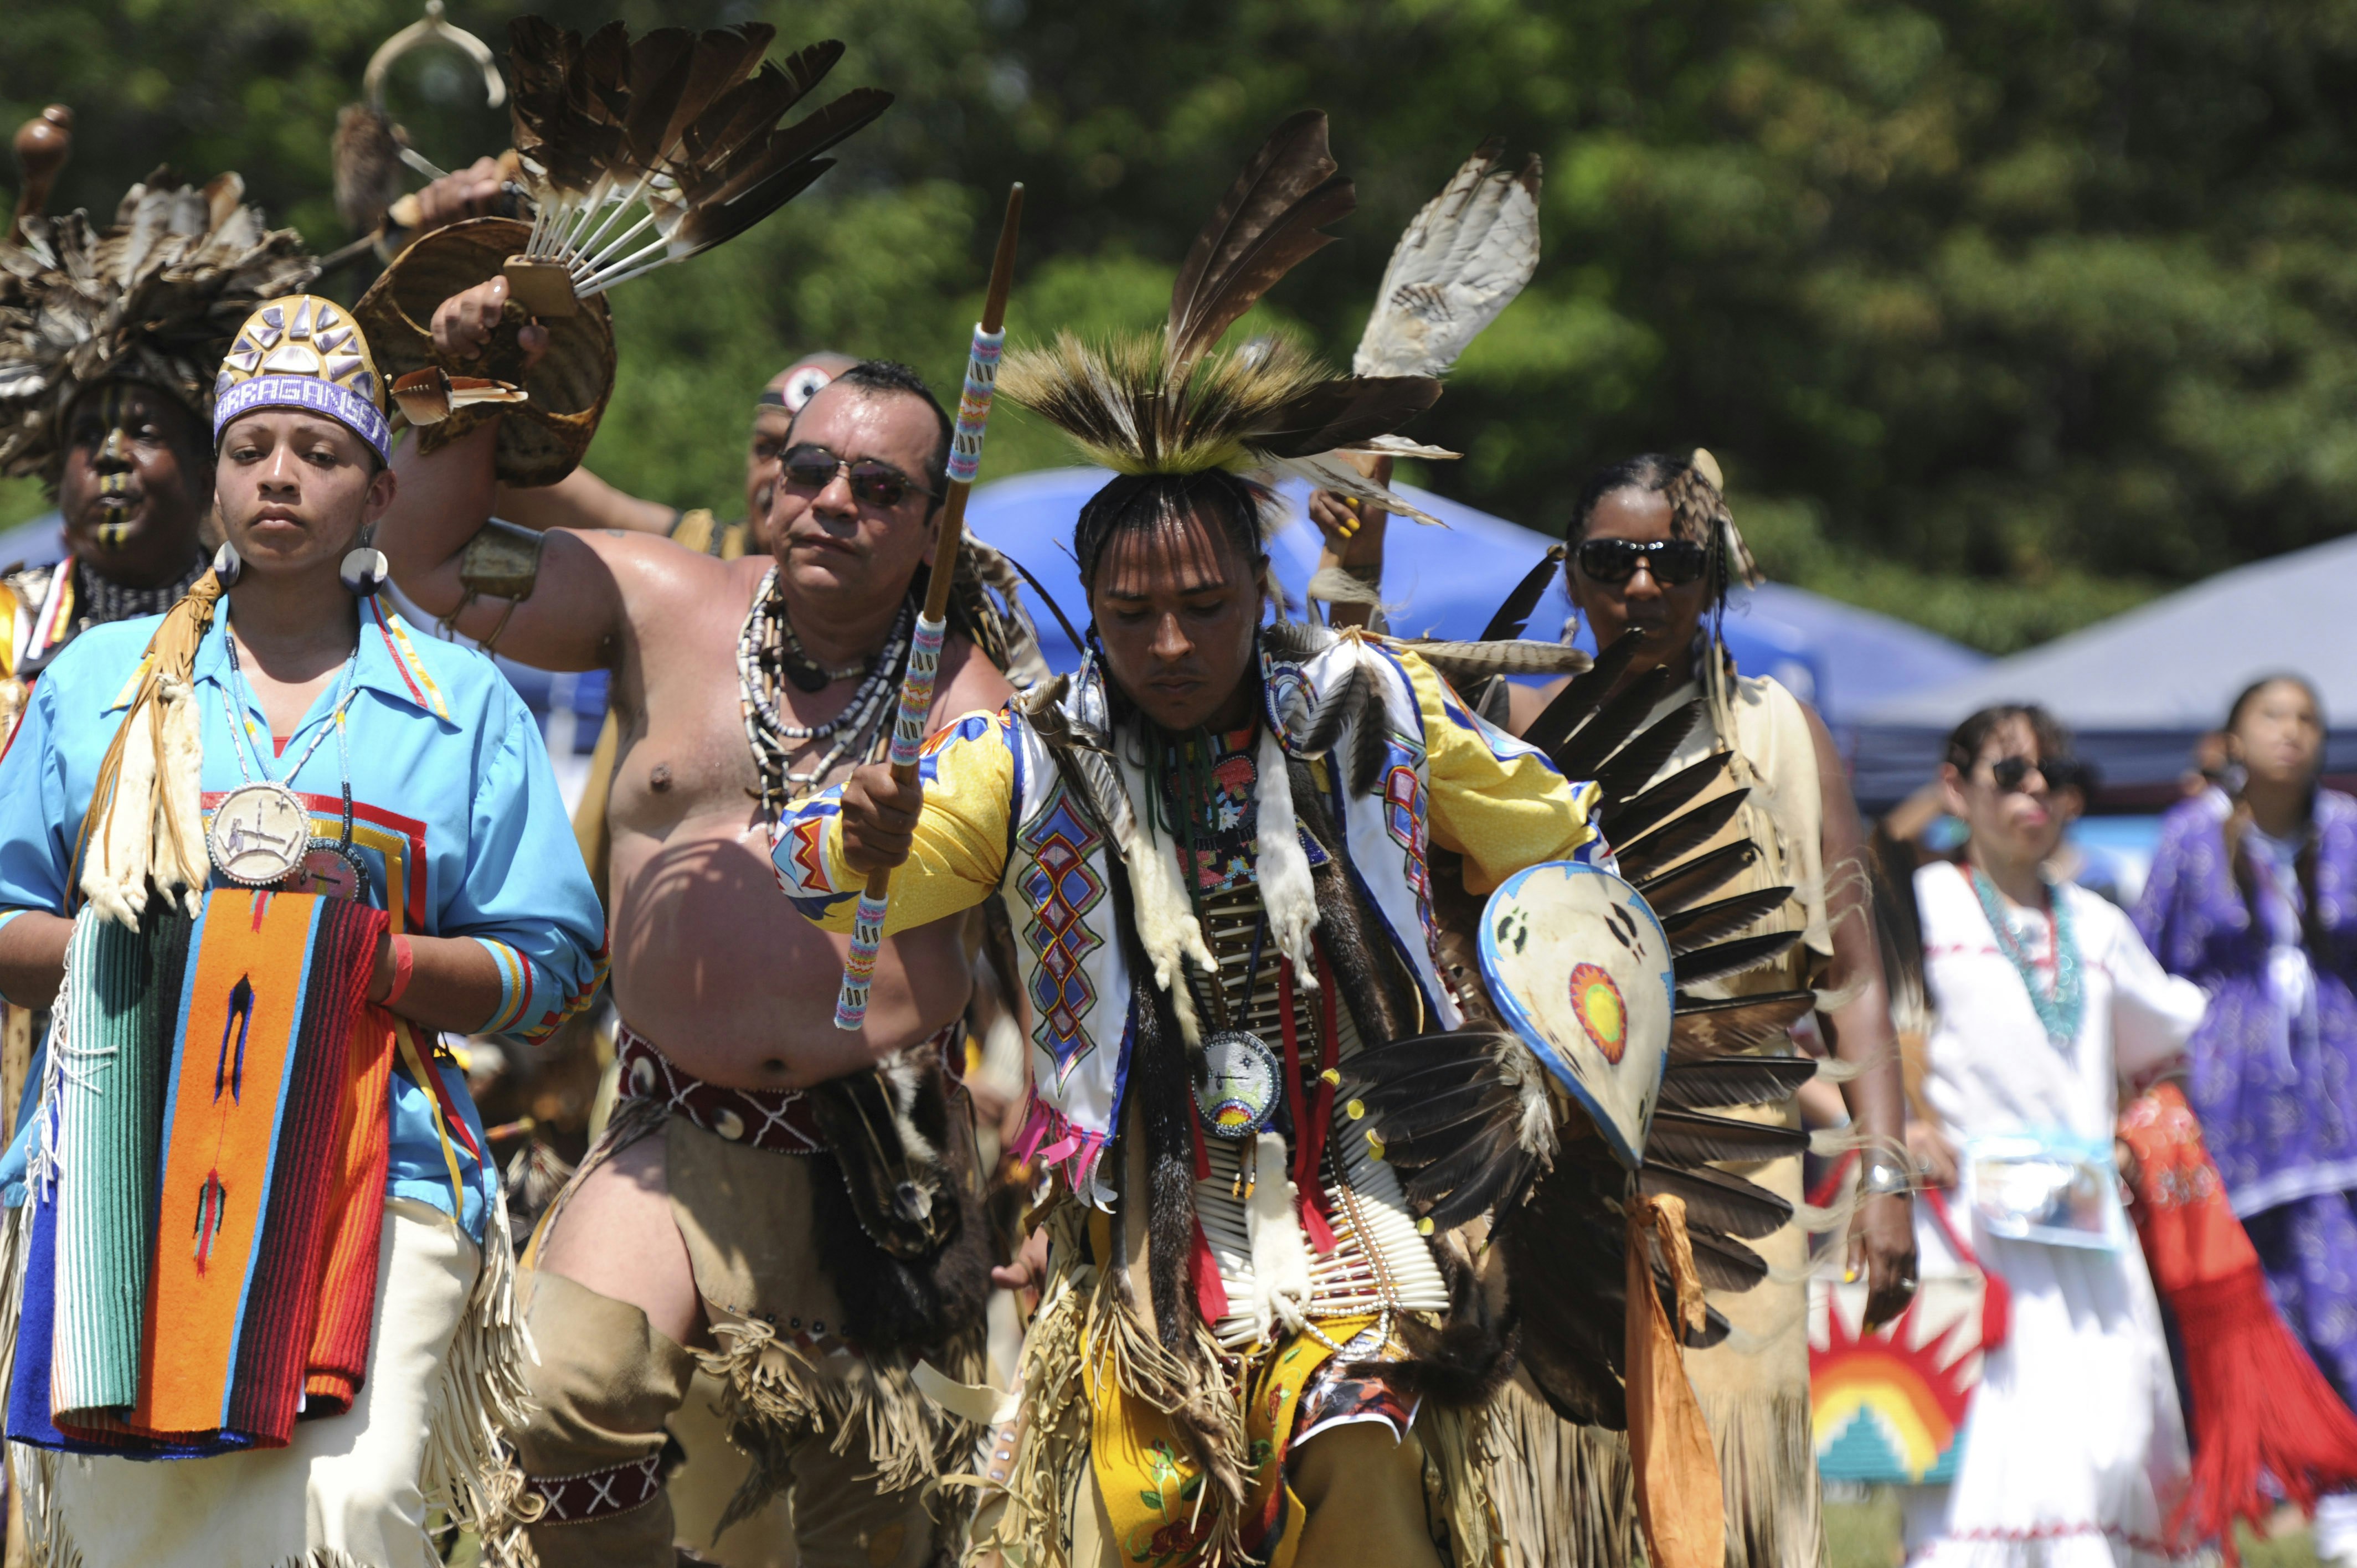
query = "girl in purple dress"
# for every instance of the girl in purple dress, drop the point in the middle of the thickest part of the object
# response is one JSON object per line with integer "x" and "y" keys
{"x": 2254, "y": 894}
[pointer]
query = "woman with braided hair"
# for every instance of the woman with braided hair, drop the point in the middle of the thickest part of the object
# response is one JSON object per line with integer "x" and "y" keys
{"x": 2251, "y": 896}
{"x": 1652, "y": 551}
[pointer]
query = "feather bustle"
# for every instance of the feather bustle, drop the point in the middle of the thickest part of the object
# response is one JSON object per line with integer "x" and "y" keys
{"x": 1578, "y": 702}
{"x": 1675, "y": 891}
{"x": 1736, "y": 1080}
{"x": 1702, "y": 1029}
{"x": 1513, "y": 617}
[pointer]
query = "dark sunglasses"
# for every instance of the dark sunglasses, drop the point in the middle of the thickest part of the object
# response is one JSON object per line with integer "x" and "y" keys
{"x": 873, "y": 483}
{"x": 1675, "y": 562}
{"x": 2059, "y": 772}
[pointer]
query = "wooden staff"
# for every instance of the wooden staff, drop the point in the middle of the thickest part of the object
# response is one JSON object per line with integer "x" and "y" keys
{"x": 925, "y": 644}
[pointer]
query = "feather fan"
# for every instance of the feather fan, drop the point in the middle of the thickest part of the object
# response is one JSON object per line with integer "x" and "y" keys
{"x": 680, "y": 127}
{"x": 1732, "y": 958}
{"x": 1354, "y": 705}
{"x": 1684, "y": 885}
{"x": 1464, "y": 661}
{"x": 1736, "y": 1080}
{"x": 1593, "y": 744}
{"x": 1635, "y": 764}
{"x": 1725, "y": 1264}
{"x": 1706, "y": 923}
{"x": 1140, "y": 405}
{"x": 1465, "y": 1115}
{"x": 1513, "y": 617}
{"x": 1721, "y": 1199}
{"x": 1691, "y": 1138}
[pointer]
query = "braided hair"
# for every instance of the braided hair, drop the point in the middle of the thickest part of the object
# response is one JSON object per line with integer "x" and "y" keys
{"x": 2314, "y": 935}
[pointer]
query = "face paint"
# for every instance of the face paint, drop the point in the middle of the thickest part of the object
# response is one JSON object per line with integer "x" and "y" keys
{"x": 114, "y": 468}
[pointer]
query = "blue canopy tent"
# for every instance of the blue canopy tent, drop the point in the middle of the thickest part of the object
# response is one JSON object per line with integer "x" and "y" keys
{"x": 1447, "y": 582}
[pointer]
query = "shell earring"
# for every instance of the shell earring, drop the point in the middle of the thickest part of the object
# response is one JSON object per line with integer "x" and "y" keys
{"x": 226, "y": 564}
{"x": 364, "y": 568}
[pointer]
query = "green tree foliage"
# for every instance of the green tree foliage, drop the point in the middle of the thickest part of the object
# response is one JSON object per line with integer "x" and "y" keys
{"x": 2000, "y": 315}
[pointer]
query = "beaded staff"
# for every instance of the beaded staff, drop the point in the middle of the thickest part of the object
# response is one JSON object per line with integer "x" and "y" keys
{"x": 925, "y": 643}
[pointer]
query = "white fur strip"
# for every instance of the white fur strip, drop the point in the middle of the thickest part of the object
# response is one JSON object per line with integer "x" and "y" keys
{"x": 1285, "y": 889}
{"x": 115, "y": 876}
{"x": 1280, "y": 1254}
{"x": 153, "y": 827}
{"x": 180, "y": 856}
{"x": 1167, "y": 927}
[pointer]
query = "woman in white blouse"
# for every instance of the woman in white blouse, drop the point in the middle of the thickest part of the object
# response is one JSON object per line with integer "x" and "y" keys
{"x": 2045, "y": 1002}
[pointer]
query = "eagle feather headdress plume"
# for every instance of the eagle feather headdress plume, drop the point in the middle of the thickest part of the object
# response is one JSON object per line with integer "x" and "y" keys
{"x": 154, "y": 298}
{"x": 1142, "y": 406}
{"x": 1462, "y": 260}
{"x": 684, "y": 126}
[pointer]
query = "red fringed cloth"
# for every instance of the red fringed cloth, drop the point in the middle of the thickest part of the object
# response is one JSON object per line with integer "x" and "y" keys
{"x": 2260, "y": 1407}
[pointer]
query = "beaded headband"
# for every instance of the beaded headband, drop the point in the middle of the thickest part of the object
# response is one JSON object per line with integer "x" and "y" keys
{"x": 303, "y": 352}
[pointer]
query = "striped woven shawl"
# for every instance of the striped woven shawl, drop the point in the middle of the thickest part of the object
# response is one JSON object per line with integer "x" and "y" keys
{"x": 203, "y": 1257}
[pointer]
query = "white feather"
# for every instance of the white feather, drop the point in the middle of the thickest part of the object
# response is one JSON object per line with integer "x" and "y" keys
{"x": 1326, "y": 471}
{"x": 1462, "y": 260}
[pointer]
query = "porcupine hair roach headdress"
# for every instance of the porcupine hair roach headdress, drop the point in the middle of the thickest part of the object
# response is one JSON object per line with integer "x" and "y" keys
{"x": 154, "y": 298}
{"x": 1170, "y": 407}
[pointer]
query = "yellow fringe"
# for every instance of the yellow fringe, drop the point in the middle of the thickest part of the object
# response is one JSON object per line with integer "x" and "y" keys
{"x": 1563, "y": 1491}
{"x": 1458, "y": 1452}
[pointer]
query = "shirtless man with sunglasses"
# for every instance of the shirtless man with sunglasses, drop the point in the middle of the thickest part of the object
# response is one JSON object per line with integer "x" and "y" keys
{"x": 697, "y": 1236}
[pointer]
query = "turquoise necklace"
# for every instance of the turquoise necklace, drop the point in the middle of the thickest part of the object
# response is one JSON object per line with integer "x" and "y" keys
{"x": 2060, "y": 1009}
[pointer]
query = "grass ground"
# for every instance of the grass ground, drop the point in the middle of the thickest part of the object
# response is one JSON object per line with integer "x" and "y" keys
{"x": 1865, "y": 1534}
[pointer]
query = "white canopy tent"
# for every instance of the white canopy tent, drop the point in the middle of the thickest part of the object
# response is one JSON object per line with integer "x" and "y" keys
{"x": 2141, "y": 688}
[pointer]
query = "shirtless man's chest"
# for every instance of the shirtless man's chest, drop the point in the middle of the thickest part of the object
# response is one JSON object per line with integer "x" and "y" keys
{"x": 710, "y": 962}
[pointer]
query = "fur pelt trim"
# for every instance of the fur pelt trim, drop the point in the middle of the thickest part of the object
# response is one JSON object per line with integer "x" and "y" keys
{"x": 143, "y": 827}
{"x": 1285, "y": 889}
{"x": 903, "y": 1304}
{"x": 1166, "y": 928}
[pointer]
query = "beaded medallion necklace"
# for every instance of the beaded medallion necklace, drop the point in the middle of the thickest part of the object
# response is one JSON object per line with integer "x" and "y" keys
{"x": 765, "y": 647}
{"x": 2060, "y": 1008}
